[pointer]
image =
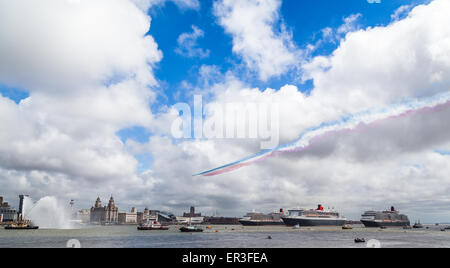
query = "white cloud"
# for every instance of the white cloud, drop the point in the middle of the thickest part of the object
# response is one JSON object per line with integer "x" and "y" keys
{"x": 349, "y": 24}
{"x": 184, "y": 4}
{"x": 187, "y": 44}
{"x": 392, "y": 163}
{"x": 88, "y": 68}
{"x": 61, "y": 140}
{"x": 401, "y": 12}
{"x": 264, "y": 48}
{"x": 334, "y": 36}
{"x": 60, "y": 48}
{"x": 408, "y": 58}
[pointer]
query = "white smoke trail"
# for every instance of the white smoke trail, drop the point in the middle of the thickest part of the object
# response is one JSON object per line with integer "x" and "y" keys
{"x": 347, "y": 123}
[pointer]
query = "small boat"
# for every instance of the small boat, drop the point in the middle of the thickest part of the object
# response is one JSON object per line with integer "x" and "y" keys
{"x": 347, "y": 227}
{"x": 296, "y": 227}
{"x": 154, "y": 226}
{"x": 360, "y": 240}
{"x": 383, "y": 227}
{"x": 191, "y": 229}
{"x": 418, "y": 225}
{"x": 23, "y": 225}
{"x": 447, "y": 228}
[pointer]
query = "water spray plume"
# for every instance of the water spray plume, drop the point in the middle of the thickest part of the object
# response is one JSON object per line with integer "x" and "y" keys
{"x": 47, "y": 213}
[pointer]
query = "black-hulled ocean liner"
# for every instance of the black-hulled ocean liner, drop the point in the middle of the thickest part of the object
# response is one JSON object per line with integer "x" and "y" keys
{"x": 388, "y": 218}
{"x": 313, "y": 217}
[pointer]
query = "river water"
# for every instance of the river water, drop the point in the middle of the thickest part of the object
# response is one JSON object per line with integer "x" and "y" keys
{"x": 224, "y": 237}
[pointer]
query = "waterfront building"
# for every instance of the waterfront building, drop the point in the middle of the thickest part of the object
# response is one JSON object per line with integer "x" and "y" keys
{"x": 165, "y": 217}
{"x": 192, "y": 214}
{"x": 104, "y": 215}
{"x": 142, "y": 217}
{"x": 84, "y": 215}
{"x": 128, "y": 217}
{"x": 221, "y": 221}
{"x": 148, "y": 216}
{"x": 190, "y": 220}
{"x": 8, "y": 214}
{"x": 190, "y": 217}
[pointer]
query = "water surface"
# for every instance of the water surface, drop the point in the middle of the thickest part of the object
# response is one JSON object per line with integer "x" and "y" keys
{"x": 225, "y": 237}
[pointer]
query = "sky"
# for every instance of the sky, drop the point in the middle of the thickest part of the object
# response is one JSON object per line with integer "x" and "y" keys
{"x": 89, "y": 90}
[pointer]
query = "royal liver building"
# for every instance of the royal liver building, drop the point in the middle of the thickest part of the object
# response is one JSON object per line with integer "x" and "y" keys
{"x": 104, "y": 215}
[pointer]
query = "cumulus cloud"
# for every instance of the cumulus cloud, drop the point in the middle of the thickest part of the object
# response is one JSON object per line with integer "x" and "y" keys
{"x": 349, "y": 24}
{"x": 401, "y": 12}
{"x": 184, "y": 4}
{"x": 375, "y": 66}
{"x": 259, "y": 37}
{"x": 392, "y": 163}
{"x": 62, "y": 48}
{"x": 88, "y": 68}
{"x": 62, "y": 139}
{"x": 187, "y": 44}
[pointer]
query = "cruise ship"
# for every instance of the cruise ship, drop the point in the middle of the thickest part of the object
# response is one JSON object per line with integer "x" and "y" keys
{"x": 260, "y": 219}
{"x": 388, "y": 218}
{"x": 313, "y": 217}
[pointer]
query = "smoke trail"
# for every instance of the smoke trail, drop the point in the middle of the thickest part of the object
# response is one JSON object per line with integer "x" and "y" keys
{"x": 347, "y": 123}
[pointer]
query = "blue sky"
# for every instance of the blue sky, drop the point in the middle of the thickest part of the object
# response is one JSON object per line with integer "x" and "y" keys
{"x": 91, "y": 95}
{"x": 304, "y": 19}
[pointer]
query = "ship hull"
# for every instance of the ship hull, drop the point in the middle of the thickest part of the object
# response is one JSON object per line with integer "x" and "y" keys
{"x": 313, "y": 222}
{"x": 189, "y": 230}
{"x": 375, "y": 224}
{"x": 260, "y": 223}
{"x": 142, "y": 228}
{"x": 21, "y": 228}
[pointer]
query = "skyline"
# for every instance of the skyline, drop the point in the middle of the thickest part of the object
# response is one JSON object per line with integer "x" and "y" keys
{"x": 88, "y": 90}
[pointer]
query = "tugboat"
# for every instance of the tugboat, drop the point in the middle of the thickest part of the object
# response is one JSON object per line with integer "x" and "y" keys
{"x": 360, "y": 240}
{"x": 190, "y": 229}
{"x": 154, "y": 226}
{"x": 418, "y": 225}
{"x": 21, "y": 225}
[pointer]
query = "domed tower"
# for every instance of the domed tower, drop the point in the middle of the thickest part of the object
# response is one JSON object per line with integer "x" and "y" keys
{"x": 111, "y": 202}
{"x": 112, "y": 212}
{"x": 98, "y": 203}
